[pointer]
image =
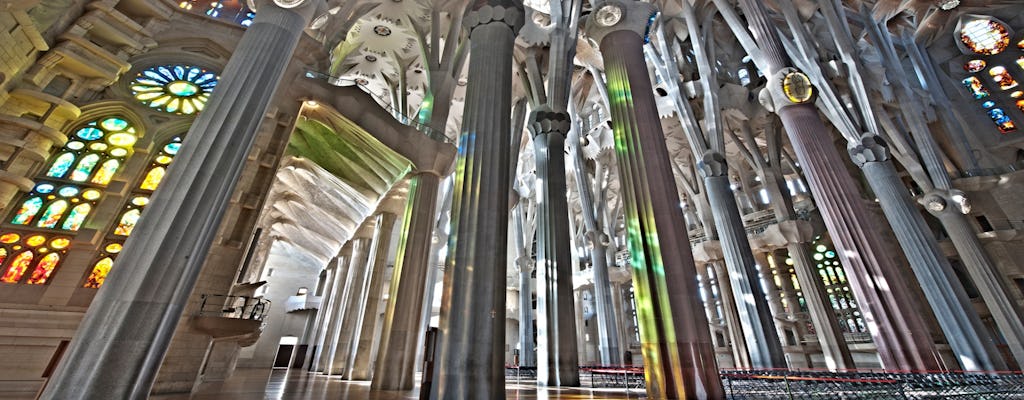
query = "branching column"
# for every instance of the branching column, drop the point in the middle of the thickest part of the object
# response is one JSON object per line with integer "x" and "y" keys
{"x": 948, "y": 299}
{"x": 679, "y": 357}
{"x": 902, "y": 339}
{"x": 122, "y": 340}
{"x": 472, "y": 328}
{"x": 557, "y": 353}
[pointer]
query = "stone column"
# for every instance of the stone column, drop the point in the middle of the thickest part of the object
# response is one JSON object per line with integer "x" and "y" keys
{"x": 731, "y": 316}
{"x": 950, "y": 208}
{"x": 352, "y": 297}
{"x": 322, "y": 313}
{"x": 948, "y": 299}
{"x": 396, "y": 357}
{"x": 678, "y": 354}
{"x": 119, "y": 346}
{"x": 527, "y": 354}
{"x": 361, "y": 368}
{"x": 470, "y": 364}
{"x": 597, "y": 242}
{"x": 335, "y": 310}
{"x": 758, "y": 328}
{"x": 773, "y": 293}
{"x": 557, "y": 353}
{"x": 902, "y": 338}
{"x": 823, "y": 316}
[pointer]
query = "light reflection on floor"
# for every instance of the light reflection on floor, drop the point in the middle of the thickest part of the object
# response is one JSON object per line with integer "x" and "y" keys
{"x": 254, "y": 384}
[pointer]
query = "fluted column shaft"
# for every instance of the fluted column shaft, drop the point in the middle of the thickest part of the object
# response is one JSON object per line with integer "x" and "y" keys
{"x": 334, "y": 311}
{"x": 339, "y": 341}
{"x": 557, "y": 352}
{"x": 322, "y": 314}
{"x": 731, "y": 316}
{"x": 899, "y": 332}
{"x": 122, "y": 340}
{"x": 472, "y": 326}
{"x": 758, "y": 328}
{"x": 972, "y": 346}
{"x": 396, "y": 357}
{"x": 986, "y": 277}
{"x": 364, "y": 342}
{"x": 679, "y": 357}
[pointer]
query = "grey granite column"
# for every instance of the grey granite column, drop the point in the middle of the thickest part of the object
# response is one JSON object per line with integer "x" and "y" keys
{"x": 335, "y": 308}
{"x": 557, "y": 353}
{"x": 333, "y": 350}
{"x": 527, "y": 354}
{"x": 361, "y": 369}
{"x": 950, "y": 208}
{"x": 758, "y": 328}
{"x": 679, "y": 358}
{"x": 355, "y": 298}
{"x": 900, "y": 334}
{"x": 964, "y": 331}
{"x": 322, "y": 315}
{"x": 472, "y": 327}
{"x": 121, "y": 341}
{"x": 730, "y": 314}
{"x": 396, "y": 357}
{"x": 597, "y": 243}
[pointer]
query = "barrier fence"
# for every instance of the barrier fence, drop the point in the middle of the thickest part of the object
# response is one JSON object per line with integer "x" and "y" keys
{"x": 741, "y": 384}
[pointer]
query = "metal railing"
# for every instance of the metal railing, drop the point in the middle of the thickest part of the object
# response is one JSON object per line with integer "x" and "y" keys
{"x": 789, "y": 384}
{"x": 238, "y": 307}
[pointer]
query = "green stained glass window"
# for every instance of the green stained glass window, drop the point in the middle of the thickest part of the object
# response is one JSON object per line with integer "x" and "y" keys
{"x": 61, "y": 165}
{"x": 76, "y": 217}
{"x": 176, "y": 89}
{"x": 85, "y": 167}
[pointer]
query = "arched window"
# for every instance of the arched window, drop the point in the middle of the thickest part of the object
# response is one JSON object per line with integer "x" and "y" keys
{"x": 64, "y": 195}
{"x": 176, "y": 89}
{"x": 234, "y": 11}
{"x": 30, "y": 258}
{"x": 132, "y": 211}
{"x": 992, "y": 78}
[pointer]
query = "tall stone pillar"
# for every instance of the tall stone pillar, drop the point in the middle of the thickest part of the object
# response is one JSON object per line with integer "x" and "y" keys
{"x": 679, "y": 357}
{"x": 119, "y": 346}
{"x": 396, "y": 357}
{"x": 335, "y": 310}
{"x": 470, "y": 364}
{"x": 902, "y": 338}
{"x": 964, "y": 331}
{"x": 364, "y": 342}
{"x": 354, "y": 298}
{"x": 322, "y": 315}
{"x": 950, "y": 208}
{"x": 731, "y": 316}
{"x": 758, "y": 327}
{"x": 527, "y": 354}
{"x": 557, "y": 353}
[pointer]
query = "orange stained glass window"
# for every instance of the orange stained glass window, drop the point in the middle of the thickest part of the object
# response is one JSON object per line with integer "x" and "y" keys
{"x": 44, "y": 269}
{"x": 153, "y": 178}
{"x": 985, "y": 36}
{"x": 1020, "y": 61}
{"x": 106, "y": 172}
{"x": 18, "y": 267}
{"x": 1020, "y": 104}
{"x": 1002, "y": 77}
{"x": 99, "y": 273}
{"x": 3, "y": 255}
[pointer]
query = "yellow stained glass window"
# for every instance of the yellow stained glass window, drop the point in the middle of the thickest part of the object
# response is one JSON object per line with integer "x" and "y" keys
{"x": 127, "y": 223}
{"x": 53, "y": 214}
{"x": 106, "y": 172}
{"x": 176, "y": 89}
{"x": 153, "y": 178}
{"x": 985, "y": 36}
{"x": 99, "y": 273}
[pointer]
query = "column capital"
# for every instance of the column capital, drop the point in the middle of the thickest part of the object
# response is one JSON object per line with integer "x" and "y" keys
{"x": 938, "y": 202}
{"x": 306, "y": 8}
{"x": 544, "y": 120}
{"x": 508, "y": 12}
{"x": 713, "y": 164}
{"x": 524, "y": 263}
{"x": 620, "y": 15}
{"x": 872, "y": 148}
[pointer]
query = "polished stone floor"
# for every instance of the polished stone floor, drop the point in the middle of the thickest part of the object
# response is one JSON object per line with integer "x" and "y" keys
{"x": 253, "y": 384}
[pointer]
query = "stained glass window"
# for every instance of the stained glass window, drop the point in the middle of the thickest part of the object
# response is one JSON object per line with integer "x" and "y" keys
{"x": 1002, "y": 78}
{"x": 31, "y": 258}
{"x": 65, "y": 195}
{"x": 976, "y": 88}
{"x": 985, "y": 36}
{"x": 138, "y": 199}
{"x": 177, "y": 89}
{"x": 1002, "y": 121}
{"x": 231, "y": 10}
